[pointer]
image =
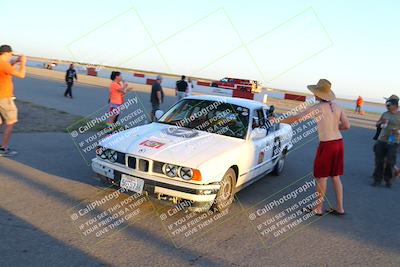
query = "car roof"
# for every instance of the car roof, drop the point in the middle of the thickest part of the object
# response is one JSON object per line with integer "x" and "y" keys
{"x": 247, "y": 103}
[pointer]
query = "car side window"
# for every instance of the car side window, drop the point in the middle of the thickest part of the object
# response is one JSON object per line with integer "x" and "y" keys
{"x": 258, "y": 118}
{"x": 261, "y": 116}
{"x": 271, "y": 127}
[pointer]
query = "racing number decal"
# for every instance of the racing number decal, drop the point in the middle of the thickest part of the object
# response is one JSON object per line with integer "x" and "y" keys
{"x": 261, "y": 157}
{"x": 277, "y": 147}
{"x": 152, "y": 144}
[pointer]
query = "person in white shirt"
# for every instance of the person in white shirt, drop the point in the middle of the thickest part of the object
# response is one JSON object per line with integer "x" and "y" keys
{"x": 190, "y": 88}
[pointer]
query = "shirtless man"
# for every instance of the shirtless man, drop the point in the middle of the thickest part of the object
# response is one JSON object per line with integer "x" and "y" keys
{"x": 329, "y": 160}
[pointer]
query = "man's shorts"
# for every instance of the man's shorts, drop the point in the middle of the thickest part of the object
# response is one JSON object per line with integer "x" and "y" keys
{"x": 8, "y": 111}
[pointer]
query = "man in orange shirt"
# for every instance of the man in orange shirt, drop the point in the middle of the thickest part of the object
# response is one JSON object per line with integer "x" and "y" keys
{"x": 8, "y": 110}
{"x": 359, "y": 104}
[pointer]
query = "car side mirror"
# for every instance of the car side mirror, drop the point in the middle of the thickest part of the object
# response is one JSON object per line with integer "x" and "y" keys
{"x": 258, "y": 133}
{"x": 158, "y": 114}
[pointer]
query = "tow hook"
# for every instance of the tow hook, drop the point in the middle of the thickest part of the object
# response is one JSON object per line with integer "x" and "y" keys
{"x": 161, "y": 197}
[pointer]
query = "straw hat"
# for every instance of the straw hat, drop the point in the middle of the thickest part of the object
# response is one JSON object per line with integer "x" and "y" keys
{"x": 392, "y": 97}
{"x": 322, "y": 90}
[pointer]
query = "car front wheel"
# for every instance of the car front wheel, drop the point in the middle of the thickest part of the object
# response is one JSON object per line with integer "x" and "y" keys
{"x": 226, "y": 192}
{"x": 279, "y": 165}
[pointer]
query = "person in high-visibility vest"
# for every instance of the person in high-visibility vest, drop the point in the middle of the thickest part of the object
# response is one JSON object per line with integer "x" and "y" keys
{"x": 359, "y": 104}
{"x": 8, "y": 109}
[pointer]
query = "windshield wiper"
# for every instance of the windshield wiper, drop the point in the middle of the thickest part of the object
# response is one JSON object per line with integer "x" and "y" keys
{"x": 165, "y": 122}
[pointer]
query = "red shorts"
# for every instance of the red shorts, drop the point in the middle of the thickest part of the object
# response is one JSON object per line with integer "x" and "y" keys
{"x": 329, "y": 160}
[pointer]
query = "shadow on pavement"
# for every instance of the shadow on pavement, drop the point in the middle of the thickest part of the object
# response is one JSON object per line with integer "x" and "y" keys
{"x": 370, "y": 211}
{"x": 138, "y": 232}
{"x": 16, "y": 248}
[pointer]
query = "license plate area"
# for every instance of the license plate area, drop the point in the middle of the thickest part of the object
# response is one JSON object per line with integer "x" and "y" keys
{"x": 132, "y": 183}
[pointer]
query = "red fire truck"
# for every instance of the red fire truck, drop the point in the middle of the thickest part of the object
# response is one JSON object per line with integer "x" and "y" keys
{"x": 238, "y": 84}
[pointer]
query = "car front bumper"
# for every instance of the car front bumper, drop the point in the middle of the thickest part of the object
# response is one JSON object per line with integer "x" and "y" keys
{"x": 158, "y": 186}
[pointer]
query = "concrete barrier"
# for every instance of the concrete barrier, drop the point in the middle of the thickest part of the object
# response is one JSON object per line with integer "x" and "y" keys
{"x": 301, "y": 98}
{"x": 150, "y": 81}
{"x": 140, "y": 75}
{"x": 91, "y": 71}
{"x": 243, "y": 94}
{"x": 261, "y": 97}
{"x": 203, "y": 83}
{"x": 209, "y": 90}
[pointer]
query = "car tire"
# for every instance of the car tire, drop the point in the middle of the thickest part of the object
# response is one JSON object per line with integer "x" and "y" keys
{"x": 226, "y": 192}
{"x": 280, "y": 164}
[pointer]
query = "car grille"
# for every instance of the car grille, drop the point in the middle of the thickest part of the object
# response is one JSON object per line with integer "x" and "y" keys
{"x": 143, "y": 165}
{"x": 138, "y": 163}
{"x": 131, "y": 162}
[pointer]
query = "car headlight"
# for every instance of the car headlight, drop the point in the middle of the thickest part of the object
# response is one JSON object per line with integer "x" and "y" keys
{"x": 185, "y": 173}
{"x": 170, "y": 170}
{"x": 101, "y": 152}
{"x": 112, "y": 155}
{"x": 105, "y": 153}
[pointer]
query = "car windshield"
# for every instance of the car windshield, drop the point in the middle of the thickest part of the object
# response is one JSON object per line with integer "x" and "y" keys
{"x": 210, "y": 116}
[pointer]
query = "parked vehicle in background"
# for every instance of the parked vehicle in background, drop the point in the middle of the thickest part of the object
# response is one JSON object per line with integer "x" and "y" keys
{"x": 238, "y": 84}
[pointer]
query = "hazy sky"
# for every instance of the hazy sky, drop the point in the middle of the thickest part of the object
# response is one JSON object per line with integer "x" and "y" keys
{"x": 284, "y": 44}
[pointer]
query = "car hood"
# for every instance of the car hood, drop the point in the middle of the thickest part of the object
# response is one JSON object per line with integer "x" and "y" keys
{"x": 171, "y": 144}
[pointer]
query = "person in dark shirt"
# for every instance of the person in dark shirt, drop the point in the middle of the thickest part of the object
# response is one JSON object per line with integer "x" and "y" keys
{"x": 388, "y": 142}
{"x": 70, "y": 75}
{"x": 156, "y": 96}
{"x": 181, "y": 88}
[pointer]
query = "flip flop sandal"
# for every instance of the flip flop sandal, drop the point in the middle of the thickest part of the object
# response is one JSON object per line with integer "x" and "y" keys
{"x": 335, "y": 212}
{"x": 308, "y": 210}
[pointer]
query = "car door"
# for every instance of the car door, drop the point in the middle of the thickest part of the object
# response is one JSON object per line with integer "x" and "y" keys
{"x": 262, "y": 147}
{"x": 274, "y": 139}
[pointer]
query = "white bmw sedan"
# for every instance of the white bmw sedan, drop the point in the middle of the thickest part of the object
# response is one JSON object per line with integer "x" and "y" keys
{"x": 203, "y": 150}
